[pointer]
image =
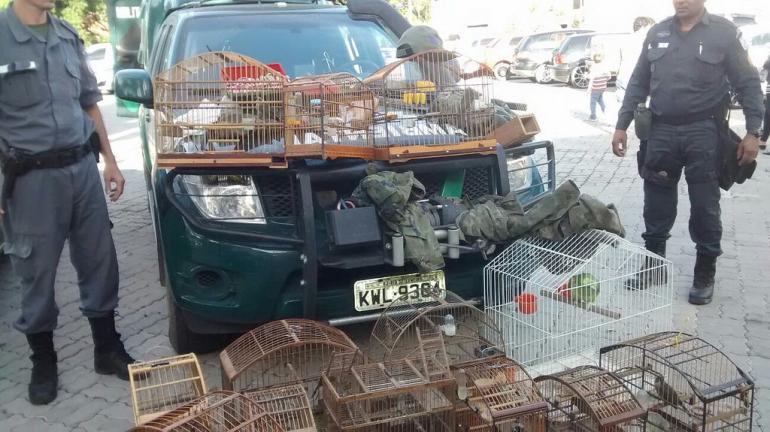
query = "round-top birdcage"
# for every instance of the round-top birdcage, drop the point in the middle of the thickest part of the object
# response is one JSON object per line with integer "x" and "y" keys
{"x": 694, "y": 384}
{"x": 217, "y": 411}
{"x": 590, "y": 398}
{"x": 435, "y": 103}
{"x": 219, "y": 108}
{"x": 404, "y": 328}
{"x": 288, "y": 405}
{"x": 329, "y": 116}
{"x": 282, "y": 352}
{"x": 498, "y": 394}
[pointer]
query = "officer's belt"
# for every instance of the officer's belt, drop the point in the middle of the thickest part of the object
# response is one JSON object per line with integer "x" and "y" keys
{"x": 16, "y": 164}
{"x": 708, "y": 114}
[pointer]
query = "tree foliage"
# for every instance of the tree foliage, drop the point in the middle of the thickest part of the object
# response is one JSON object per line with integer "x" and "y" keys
{"x": 89, "y": 17}
{"x": 416, "y": 11}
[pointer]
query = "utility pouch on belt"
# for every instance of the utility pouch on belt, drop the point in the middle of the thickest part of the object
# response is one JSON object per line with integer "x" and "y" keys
{"x": 642, "y": 122}
{"x": 96, "y": 145}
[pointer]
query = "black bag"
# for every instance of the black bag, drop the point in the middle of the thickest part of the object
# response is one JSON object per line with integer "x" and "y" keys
{"x": 729, "y": 170}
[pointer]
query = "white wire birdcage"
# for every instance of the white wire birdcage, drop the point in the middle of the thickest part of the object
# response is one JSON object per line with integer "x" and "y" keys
{"x": 556, "y": 303}
{"x": 219, "y": 108}
{"x": 435, "y": 103}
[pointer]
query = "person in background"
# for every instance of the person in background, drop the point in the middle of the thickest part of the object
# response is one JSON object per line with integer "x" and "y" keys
{"x": 766, "y": 131}
{"x": 599, "y": 76}
{"x": 631, "y": 51}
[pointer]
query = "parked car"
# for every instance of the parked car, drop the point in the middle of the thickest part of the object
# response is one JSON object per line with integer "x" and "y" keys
{"x": 535, "y": 53}
{"x": 240, "y": 246}
{"x": 571, "y": 61}
{"x": 499, "y": 53}
{"x": 101, "y": 59}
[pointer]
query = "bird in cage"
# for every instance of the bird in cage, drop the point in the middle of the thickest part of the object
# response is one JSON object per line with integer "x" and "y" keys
{"x": 666, "y": 393}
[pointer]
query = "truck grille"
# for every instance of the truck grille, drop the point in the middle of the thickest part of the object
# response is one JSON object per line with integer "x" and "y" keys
{"x": 277, "y": 195}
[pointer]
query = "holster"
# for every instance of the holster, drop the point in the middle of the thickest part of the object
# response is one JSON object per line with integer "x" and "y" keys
{"x": 96, "y": 145}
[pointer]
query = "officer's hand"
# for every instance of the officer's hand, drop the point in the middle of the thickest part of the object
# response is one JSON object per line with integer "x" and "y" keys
{"x": 748, "y": 150}
{"x": 620, "y": 143}
{"x": 113, "y": 181}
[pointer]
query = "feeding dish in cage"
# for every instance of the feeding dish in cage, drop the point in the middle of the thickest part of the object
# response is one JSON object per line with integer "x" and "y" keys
{"x": 288, "y": 405}
{"x": 430, "y": 107}
{"x": 500, "y": 395}
{"x": 282, "y": 352}
{"x": 217, "y": 411}
{"x": 558, "y": 302}
{"x": 589, "y": 398}
{"x": 162, "y": 385}
{"x": 467, "y": 332}
{"x": 329, "y": 116}
{"x": 219, "y": 109}
{"x": 695, "y": 386}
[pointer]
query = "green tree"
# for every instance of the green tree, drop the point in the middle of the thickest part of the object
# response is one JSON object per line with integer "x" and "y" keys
{"x": 416, "y": 11}
{"x": 89, "y": 17}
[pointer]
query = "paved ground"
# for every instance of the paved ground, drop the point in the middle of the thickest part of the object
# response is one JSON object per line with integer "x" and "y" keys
{"x": 738, "y": 320}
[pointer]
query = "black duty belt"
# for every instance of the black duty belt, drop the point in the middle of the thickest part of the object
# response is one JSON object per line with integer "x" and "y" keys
{"x": 16, "y": 164}
{"x": 685, "y": 119}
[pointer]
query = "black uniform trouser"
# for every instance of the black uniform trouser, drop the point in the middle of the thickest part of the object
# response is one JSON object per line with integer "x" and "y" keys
{"x": 693, "y": 147}
{"x": 766, "y": 133}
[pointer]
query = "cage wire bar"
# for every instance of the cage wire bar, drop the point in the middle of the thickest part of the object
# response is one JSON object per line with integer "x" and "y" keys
{"x": 498, "y": 394}
{"x": 220, "y": 109}
{"x": 692, "y": 385}
{"x": 329, "y": 116}
{"x": 556, "y": 303}
{"x": 162, "y": 385}
{"x": 588, "y": 398}
{"x": 218, "y": 411}
{"x": 282, "y": 352}
{"x": 436, "y": 103}
{"x": 288, "y": 405}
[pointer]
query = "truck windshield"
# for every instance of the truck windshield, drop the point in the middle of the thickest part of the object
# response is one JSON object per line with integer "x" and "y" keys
{"x": 304, "y": 44}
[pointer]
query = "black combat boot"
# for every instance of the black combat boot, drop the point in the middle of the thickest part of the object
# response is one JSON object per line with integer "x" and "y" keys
{"x": 45, "y": 377}
{"x": 110, "y": 356}
{"x": 703, "y": 281}
{"x": 646, "y": 277}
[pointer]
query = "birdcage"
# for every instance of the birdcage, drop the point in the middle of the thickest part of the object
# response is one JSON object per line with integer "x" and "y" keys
{"x": 161, "y": 385}
{"x": 556, "y": 303}
{"x": 219, "y": 109}
{"x": 692, "y": 385}
{"x": 405, "y": 328}
{"x": 282, "y": 352}
{"x": 497, "y": 394}
{"x": 436, "y": 103}
{"x": 288, "y": 405}
{"x": 329, "y": 116}
{"x": 394, "y": 396}
{"x": 218, "y": 411}
{"x": 591, "y": 399}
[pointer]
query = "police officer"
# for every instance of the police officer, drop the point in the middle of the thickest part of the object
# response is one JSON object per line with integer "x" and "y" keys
{"x": 52, "y": 190}
{"x": 686, "y": 66}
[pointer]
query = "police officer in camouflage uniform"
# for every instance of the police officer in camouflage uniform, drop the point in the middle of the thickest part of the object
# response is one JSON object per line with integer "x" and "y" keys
{"x": 686, "y": 67}
{"x": 52, "y": 191}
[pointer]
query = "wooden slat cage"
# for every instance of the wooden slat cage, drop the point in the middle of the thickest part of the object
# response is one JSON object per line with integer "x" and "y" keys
{"x": 693, "y": 386}
{"x": 468, "y": 334}
{"x": 288, "y": 405}
{"x": 329, "y": 116}
{"x": 219, "y": 411}
{"x": 162, "y": 385}
{"x": 219, "y": 109}
{"x": 435, "y": 103}
{"x": 498, "y": 394}
{"x": 282, "y": 352}
{"x": 588, "y": 398}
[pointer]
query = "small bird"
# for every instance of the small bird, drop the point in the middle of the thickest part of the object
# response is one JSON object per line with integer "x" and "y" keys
{"x": 744, "y": 396}
{"x": 667, "y": 393}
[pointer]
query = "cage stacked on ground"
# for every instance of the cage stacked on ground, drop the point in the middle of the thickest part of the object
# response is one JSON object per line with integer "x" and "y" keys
{"x": 692, "y": 385}
{"x": 220, "y": 109}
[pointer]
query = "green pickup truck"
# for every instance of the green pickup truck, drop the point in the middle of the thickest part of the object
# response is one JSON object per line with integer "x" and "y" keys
{"x": 238, "y": 247}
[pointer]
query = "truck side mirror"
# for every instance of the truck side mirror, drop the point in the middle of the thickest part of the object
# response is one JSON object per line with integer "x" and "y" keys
{"x": 134, "y": 85}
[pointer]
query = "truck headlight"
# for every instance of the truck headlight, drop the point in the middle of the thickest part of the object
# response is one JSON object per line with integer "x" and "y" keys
{"x": 225, "y": 198}
{"x": 520, "y": 173}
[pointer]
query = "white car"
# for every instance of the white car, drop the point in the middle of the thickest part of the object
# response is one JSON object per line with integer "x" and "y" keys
{"x": 102, "y": 60}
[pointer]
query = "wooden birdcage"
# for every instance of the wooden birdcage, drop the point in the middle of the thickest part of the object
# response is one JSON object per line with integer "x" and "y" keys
{"x": 282, "y": 352}
{"x": 219, "y": 411}
{"x": 466, "y": 332}
{"x": 432, "y": 104}
{"x": 497, "y": 394}
{"x": 692, "y": 385}
{"x": 591, "y": 399}
{"x": 329, "y": 116}
{"x": 162, "y": 385}
{"x": 288, "y": 405}
{"x": 219, "y": 109}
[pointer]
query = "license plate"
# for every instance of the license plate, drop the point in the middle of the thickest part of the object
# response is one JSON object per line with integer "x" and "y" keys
{"x": 374, "y": 294}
